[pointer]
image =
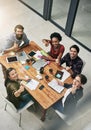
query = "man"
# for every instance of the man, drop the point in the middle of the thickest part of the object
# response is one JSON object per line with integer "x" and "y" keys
{"x": 16, "y": 40}
{"x": 73, "y": 62}
{"x": 73, "y": 93}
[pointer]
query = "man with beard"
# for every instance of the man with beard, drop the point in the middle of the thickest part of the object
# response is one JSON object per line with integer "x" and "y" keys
{"x": 16, "y": 40}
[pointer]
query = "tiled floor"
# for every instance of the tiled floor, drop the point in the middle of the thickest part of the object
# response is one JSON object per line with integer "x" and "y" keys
{"x": 13, "y": 12}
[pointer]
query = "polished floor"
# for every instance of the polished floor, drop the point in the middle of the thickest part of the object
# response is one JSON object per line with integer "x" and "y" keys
{"x": 12, "y": 12}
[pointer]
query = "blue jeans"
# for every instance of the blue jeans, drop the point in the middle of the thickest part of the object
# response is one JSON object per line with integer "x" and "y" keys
{"x": 25, "y": 99}
{"x": 58, "y": 106}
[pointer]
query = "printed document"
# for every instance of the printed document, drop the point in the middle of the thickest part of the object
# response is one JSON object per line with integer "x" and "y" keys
{"x": 32, "y": 84}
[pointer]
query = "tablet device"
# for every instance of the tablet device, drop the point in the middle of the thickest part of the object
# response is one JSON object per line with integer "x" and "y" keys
{"x": 11, "y": 59}
{"x": 32, "y": 53}
{"x": 59, "y": 74}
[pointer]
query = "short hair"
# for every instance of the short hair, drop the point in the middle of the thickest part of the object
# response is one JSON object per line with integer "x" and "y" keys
{"x": 57, "y": 35}
{"x": 83, "y": 78}
{"x": 18, "y": 26}
{"x": 76, "y": 47}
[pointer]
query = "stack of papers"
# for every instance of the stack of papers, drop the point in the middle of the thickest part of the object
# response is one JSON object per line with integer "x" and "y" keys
{"x": 54, "y": 85}
{"x": 32, "y": 84}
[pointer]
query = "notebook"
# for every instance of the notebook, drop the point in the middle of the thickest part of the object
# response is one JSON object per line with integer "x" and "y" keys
{"x": 31, "y": 84}
{"x": 54, "y": 85}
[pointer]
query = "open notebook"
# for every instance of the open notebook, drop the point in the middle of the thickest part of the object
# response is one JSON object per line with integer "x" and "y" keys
{"x": 31, "y": 84}
{"x": 54, "y": 85}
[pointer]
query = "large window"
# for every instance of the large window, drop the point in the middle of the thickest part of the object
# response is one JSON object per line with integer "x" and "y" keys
{"x": 82, "y": 26}
{"x": 60, "y": 10}
{"x": 62, "y": 13}
{"x": 35, "y": 4}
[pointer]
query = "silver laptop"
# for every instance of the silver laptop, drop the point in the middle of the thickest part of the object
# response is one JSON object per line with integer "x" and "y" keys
{"x": 39, "y": 63}
{"x": 22, "y": 56}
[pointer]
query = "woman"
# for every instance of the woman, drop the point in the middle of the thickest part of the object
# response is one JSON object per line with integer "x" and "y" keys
{"x": 16, "y": 92}
{"x": 57, "y": 49}
{"x": 72, "y": 95}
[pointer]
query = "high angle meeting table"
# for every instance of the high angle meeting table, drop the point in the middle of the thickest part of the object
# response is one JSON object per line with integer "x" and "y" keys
{"x": 46, "y": 97}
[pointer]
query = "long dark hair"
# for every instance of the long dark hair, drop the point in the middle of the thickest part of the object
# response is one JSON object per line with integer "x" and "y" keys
{"x": 7, "y": 75}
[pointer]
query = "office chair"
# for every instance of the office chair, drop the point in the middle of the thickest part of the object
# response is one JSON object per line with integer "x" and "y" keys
{"x": 19, "y": 111}
{"x": 84, "y": 62}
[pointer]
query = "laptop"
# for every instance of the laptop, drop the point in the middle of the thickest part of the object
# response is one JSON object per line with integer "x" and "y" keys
{"x": 54, "y": 85}
{"x": 22, "y": 56}
{"x": 39, "y": 63}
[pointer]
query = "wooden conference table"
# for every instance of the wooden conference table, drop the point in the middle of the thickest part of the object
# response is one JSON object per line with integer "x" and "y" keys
{"x": 47, "y": 96}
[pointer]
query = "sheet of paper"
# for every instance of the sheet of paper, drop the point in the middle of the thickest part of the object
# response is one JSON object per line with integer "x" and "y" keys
{"x": 53, "y": 83}
{"x": 32, "y": 84}
{"x": 66, "y": 74}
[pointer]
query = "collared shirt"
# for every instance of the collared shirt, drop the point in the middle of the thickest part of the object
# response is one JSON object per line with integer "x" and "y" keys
{"x": 65, "y": 96}
{"x": 72, "y": 99}
{"x": 75, "y": 64}
{"x": 68, "y": 103}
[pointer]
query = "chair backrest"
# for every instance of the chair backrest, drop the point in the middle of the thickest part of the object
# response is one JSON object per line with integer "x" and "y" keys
{"x": 14, "y": 108}
{"x": 8, "y": 102}
{"x": 83, "y": 65}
